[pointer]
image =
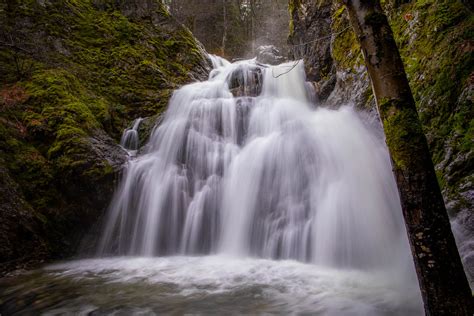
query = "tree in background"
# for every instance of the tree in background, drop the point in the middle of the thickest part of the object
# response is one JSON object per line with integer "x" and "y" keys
{"x": 234, "y": 28}
{"x": 443, "y": 284}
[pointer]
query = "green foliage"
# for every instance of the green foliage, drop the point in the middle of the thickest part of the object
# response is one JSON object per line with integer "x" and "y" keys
{"x": 29, "y": 167}
{"x": 345, "y": 49}
{"x": 402, "y": 131}
{"x": 85, "y": 69}
{"x": 293, "y": 6}
{"x": 435, "y": 42}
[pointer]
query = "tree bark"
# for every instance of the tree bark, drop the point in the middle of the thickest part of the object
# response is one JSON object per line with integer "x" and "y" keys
{"x": 224, "y": 33}
{"x": 444, "y": 287}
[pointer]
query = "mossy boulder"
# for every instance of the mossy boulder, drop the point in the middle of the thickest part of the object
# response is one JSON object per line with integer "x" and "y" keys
{"x": 74, "y": 74}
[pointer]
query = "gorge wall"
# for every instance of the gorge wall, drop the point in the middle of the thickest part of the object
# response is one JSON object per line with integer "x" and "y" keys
{"x": 73, "y": 75}
{"x": 435, "y": 42}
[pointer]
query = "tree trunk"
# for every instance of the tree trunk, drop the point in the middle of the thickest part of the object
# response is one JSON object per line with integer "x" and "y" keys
{"x": 224, "y": 34}
{"x": 443, "y": 284}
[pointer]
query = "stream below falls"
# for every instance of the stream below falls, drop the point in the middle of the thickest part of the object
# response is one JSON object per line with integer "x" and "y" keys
{"x": 247, "y": 198}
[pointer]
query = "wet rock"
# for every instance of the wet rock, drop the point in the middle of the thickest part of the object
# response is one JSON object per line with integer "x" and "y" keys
{"x": 269, "y": 54}
{"x": 309, "y": 39}
{"x": 246, "y": 81}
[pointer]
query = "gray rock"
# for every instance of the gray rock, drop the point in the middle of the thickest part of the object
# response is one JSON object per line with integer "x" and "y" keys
{"x": 269, "y": 54}
{"x": 245, "y": 81}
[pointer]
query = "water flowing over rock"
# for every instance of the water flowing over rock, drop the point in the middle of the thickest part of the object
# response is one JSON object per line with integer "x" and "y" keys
{"x": 262, "y": 175}
{"x": 130, "y": 139}
{"x": 225, "y": 185}
{"x": 245, "y": 80}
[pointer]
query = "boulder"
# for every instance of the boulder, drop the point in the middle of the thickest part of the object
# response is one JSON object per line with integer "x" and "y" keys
{"x": 269, "y": 54}
{"x": 246, "y": 81}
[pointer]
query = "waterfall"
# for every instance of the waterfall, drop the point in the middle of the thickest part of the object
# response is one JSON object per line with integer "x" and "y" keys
{"x": 248, "y": 198}
{"x": 130, "y": 140}
{"x": 243, "y": 164}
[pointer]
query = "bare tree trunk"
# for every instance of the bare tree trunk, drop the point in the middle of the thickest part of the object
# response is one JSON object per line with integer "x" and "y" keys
{"x": 443, "y": 284}
{"x": 252, "y": 25}
{"x": 224, "y": 34}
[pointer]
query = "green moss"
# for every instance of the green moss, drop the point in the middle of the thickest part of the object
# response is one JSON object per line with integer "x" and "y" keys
{"x": 88, "y": 70}
{"x": 345, "y": 49}
{"x": 441, "y": 180}
{"x": 403, "y": 132}
{"x": 29, "y": 167}
{"x": 338, "y": 12}
{"x": 293, "y": 6}
{"x": 439, "y": 67}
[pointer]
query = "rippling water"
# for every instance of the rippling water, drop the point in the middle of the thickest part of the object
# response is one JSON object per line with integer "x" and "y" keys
{"x": 204, "y": 285}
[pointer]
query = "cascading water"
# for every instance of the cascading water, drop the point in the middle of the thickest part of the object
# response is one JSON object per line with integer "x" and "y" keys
{"x": 243, "y": 170}
{"x": 130, "y": 139}
{"x": 265, "y": 176}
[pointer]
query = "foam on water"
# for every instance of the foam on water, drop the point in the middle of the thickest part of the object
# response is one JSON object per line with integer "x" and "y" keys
{"x": 215, "y": 284}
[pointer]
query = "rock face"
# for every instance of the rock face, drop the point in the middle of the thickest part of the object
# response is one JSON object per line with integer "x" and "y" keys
{"x": 317, "y": 34}
{"x": 73, "y": 75}
{"x": 310, "y": 32}
{"x": 269, "y": 54}
{"x": 435, "y": 41}
{"x": 20, "y": 228}
{"x": 246, "y": 81}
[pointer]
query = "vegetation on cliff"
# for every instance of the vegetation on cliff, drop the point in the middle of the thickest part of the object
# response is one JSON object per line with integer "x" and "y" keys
{"x": 73, "y": 75}
{"x": 435, "y": 40}
{"x": 443, "y": 283}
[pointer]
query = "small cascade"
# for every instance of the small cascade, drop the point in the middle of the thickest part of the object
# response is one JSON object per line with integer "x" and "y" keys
{"x": 130, "y": 139}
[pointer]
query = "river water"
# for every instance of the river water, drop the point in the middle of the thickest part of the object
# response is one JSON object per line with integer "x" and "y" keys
{"x": 247, "y": 199}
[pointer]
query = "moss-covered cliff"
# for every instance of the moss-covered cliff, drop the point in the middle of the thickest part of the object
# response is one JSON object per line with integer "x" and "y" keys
{"x": 73, "y": 75}
{"x": 435, "y": 39}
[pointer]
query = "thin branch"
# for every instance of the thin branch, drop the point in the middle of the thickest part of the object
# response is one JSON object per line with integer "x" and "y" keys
{"x": 13, "y": 45}
{"x": 284, "y": 73}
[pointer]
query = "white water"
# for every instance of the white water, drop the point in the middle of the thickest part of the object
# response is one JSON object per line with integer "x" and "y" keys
{"x": 206, "y": 285}
{"x": 216, "y": 284}
{"x": 130, "y": 139}
{"x": 268, "y": 177}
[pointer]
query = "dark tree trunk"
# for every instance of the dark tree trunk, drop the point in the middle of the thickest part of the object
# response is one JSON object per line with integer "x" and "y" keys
{"x": 443, "y": 284}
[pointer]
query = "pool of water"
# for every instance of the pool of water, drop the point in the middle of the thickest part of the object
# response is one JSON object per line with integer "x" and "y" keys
{"x": 204, "y": 285}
